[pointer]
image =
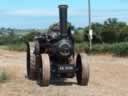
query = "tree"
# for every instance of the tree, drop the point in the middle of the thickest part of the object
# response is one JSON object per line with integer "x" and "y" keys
{"x": 111, "y": 30}
{"x": 29, "y": 36}
{"x": 98, "y": 29}
{"x": 124, "y": 34}
{"x": 79, "y": 36}
{"x": 56, "y": 26}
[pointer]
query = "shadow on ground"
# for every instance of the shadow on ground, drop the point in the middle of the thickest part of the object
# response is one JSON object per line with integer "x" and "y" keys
{"x": 62, "y": 82}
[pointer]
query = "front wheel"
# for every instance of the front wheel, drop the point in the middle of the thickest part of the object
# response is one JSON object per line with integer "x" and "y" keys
{"x": 44, "y": 71}
{"x": 82, "y": 66}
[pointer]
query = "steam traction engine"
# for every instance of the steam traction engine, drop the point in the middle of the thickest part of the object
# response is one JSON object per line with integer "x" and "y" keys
{"x": 52, "y": 56}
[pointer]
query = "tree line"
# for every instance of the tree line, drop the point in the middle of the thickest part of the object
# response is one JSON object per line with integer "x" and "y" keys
{"x": 110, "y": 31}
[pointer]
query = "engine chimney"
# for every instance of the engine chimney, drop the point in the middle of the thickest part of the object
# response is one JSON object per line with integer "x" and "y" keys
{"x": 63, "y": 18}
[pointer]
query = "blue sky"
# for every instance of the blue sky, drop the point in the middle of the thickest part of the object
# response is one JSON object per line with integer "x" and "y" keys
{"x": 42, "y": 13}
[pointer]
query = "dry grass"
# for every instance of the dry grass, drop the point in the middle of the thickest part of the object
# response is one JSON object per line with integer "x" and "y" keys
{"x": 12, "y": 72}
{"x": 11, "y": 64}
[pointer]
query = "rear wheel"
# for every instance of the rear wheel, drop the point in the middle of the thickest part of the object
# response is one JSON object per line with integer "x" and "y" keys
{"x": 44, "y": 71}
{"x": 31, "y": 61}
{"x": 82, "y": 73}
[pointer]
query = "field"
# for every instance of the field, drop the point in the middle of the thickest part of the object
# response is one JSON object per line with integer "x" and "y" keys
{"x": 108, "y": 77}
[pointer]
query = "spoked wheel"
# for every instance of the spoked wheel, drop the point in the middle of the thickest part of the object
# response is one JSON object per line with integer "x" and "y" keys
{"x": 82, "y": 73}
{"x": 44, "y": 71}
{"x": 31, "y": 61}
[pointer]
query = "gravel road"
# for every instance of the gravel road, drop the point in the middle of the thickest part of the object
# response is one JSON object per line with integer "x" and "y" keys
{"x": 108, "y": 77}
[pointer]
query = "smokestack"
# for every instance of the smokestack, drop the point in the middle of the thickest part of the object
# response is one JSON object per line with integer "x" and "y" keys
{"x": 63, "y": 18}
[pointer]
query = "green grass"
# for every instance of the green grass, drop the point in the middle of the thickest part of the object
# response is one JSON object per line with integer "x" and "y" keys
{"x": 16, "y": 47}
{"x": 117, "y": 49}
{"x": 3, "y": 47}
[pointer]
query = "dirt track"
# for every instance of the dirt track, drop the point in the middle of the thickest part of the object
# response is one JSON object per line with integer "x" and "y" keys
{"x": 108, "y": 77}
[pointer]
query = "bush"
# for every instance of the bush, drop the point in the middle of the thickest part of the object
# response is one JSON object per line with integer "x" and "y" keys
{"x": 10, "y": 39}
{"x": 3, "y": 76}
{"x": 120, "y": 49}
{"x": 79, "y": 37}
{"x": 81, "y": 47}
{"x": 101, "y": 48}
{"x": 29, "y": 36}
{"x": 117, "y": 49}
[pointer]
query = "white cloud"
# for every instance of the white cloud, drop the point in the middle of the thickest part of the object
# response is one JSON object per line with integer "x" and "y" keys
{"x": 54, "y": 12}
{"x": 33, "y": 12}
{"x": 38, "y": 12}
